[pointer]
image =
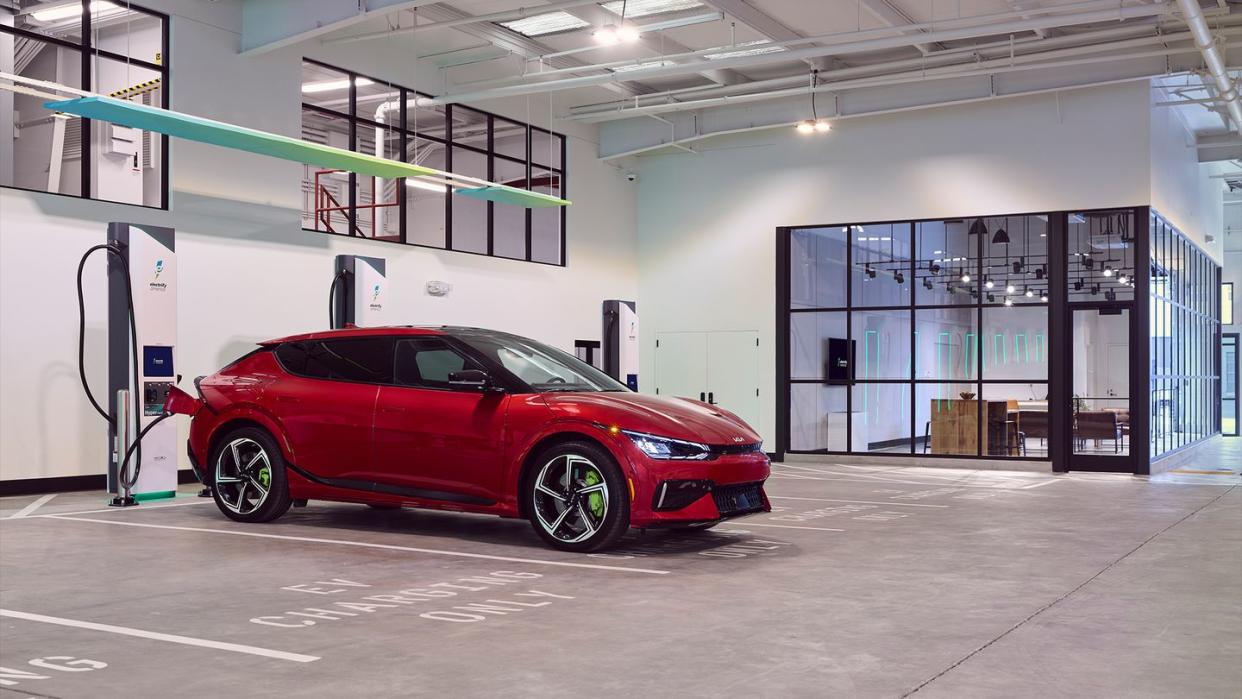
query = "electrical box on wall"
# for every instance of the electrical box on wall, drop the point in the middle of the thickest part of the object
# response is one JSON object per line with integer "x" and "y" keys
{"x": 124, "y": 141}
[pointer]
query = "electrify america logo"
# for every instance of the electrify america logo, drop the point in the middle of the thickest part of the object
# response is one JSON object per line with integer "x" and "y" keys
{"x": 375, "y": 304}
{"x": 156, "y": 284}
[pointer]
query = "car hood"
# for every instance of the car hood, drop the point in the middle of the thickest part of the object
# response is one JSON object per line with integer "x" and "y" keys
{"x": 665, "y": 417}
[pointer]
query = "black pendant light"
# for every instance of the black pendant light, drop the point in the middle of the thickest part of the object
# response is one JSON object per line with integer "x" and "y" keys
{"x": 1001, "y": 236}
{"x": 977, "y": 227}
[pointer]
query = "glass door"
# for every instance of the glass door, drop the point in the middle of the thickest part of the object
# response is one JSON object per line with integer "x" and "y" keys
{"x": 1101, "y": 388}
{"x": 1230, "y": 415}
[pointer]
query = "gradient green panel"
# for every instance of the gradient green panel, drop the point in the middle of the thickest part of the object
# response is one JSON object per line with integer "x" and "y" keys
{"x": 504, "y": 194}
{"x": 218, "y": 133}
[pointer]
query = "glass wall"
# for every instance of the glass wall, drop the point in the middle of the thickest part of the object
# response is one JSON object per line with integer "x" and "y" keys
{"x": 351, "y": 111}
{"x": 920, "y": 337}
{"x": 116, "y": 49}
{"x": 1185, "y": 335}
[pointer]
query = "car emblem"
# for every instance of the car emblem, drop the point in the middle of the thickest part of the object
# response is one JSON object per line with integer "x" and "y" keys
{"x": 739, "y": 439}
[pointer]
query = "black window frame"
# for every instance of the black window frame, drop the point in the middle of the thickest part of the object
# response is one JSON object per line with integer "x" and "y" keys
{"x": 86, "y": 51}
{"x": 490, "y": 155}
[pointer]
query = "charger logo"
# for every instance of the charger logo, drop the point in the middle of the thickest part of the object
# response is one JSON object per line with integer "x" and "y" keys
{"x": 375, "y": 292}
{"x": 375, "y": 305}
{"x": 156, "y": 284}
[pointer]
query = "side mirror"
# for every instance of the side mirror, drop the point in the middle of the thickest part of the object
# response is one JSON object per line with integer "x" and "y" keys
{"x": 474, "y": 379}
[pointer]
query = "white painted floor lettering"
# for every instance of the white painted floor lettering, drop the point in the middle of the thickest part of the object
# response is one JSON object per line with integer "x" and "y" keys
{"x": 156, "y": 636}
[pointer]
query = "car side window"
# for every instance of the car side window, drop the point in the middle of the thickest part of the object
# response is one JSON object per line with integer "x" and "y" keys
{"x": 426, "y": 362}
{"x": 356, "y": 359}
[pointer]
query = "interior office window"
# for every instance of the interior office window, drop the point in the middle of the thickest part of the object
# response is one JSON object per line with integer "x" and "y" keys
{"x": 880, "y": 264}
{"x": 817, "y": 277}
{"x": 881, "y": 344}
{"x": 1101, "y": 256}
{"x": 947, "y": 264}
{"x": 115, "y": 50}
{"x": 819, "y": 347}
{"x": 880, "y": 418}
{"x": 356, "y": 112}
{"x": 818, "y": 418}
{"x": 1226, "y": 303}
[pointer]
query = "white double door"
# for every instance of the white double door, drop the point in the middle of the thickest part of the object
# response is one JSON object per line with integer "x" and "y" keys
{"x": 721, "y": 368}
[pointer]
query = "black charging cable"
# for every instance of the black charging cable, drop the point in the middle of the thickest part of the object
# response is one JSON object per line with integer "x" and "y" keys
{"x": 332, "y": 297}
{"x": 122, "y": 472}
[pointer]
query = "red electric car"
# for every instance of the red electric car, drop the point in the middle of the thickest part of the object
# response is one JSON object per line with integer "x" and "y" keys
{"x": 468, "y": 420}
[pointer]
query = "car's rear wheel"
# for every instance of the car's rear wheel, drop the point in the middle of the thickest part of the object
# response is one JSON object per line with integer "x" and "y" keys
{"x": 577, "y": 498}
{"x": 248, "y": 475}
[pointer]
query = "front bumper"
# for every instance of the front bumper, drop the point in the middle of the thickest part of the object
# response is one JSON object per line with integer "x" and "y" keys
{"x": 680, "y": 493}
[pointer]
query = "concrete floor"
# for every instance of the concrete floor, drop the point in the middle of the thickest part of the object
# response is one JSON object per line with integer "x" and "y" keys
{"x": 866, "y": 582}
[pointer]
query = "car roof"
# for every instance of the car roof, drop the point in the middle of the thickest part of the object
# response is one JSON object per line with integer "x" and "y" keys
{"x": 381, "y": 331}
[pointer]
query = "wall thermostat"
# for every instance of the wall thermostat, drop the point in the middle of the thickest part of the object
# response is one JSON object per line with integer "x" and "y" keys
{"x": 436, "y": 288}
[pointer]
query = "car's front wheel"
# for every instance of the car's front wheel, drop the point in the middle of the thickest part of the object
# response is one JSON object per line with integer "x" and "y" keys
{"x": 248, "y": 475}
{"x": 577, "y": 497}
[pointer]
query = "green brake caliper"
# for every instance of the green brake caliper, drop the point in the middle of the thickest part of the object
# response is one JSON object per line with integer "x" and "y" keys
{"x": 595, "y": 501}
{"x": 265, "y": 476}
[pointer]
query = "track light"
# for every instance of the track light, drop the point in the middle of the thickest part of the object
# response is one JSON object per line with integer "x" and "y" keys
{"x": 1108, "y": 270}
{"x": 1039, "y": 273}
{"x": 1043, "y": 296}
{"x": 965, "y": 277}
{"x": 927, "y": 284}
{"x": 1028, "y": 292}
{"x": 991, "y": 298}
{"x": 1087, "y": 261}
{"x": 988, "y": 283}
{"x": 1095, "y": 289}
{"x": 1009, "y": 288}
{"x": 1122, "y": 278}
{"x": 899, "y": 278}
{"x": 1078, "y": 285}
{"x": 1017, "y": 267}
{"x": 1110, "y": 295}
{"x": 1008, "y": 301}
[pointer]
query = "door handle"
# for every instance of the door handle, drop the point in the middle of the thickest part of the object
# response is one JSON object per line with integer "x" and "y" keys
{"x": 702, "y": 397}
{"x": 711, "y": 398}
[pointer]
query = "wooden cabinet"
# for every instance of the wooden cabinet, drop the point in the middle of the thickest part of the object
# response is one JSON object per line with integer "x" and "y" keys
{"x": 954, "y": 427}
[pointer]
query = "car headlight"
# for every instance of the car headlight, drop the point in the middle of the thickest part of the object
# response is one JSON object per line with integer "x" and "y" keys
{"x": 667, "y": 448}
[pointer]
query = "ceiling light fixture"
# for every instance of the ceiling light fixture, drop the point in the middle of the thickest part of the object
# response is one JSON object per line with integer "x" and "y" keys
{"x": 1028, "y": 292}
{"x": 899, "y": 278}
{"x": 1008, "y": 301}
{"x": 1009, "y": 288}
{"x": 330, "y": 85}
{"x": 965, "y": 277}
{"x": 988, "y": 282}
{"x": 814, "y": 124}
{"x": 69, "y": 10}
{"x": 1108, "y": 270}
{"x": 1043, "y": 296}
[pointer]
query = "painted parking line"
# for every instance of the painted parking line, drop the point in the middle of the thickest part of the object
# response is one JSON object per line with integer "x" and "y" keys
{"x": 141, "y": 508}
{"x": 364, "y": 544}
{"x": 165, "y": 637}
{"x": 783, "y": 526}
{"x": 28, "y": 509}
{"x": 857, "y": 502}
{"x": 863, "y": 478}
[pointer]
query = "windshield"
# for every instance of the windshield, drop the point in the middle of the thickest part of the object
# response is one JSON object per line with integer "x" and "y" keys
{"x": 545, "y": 369}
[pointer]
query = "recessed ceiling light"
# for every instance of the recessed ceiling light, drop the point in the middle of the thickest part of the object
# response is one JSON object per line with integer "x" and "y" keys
{"x": 642, "y": 8}
{"x": 746, "y": 48}
{"x": 546, "y": 23}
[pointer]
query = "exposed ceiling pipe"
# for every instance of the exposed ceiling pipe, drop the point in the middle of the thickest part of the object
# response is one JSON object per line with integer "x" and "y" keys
{"x": 1115, "y": 14}
{"x": 995, "y": 66}
{"x": 1225, "y": 87}
{"x": 825, "y": 40}
{"x": 502, "y": 16}
{"x": 932, "y": 60}
{"x": 836, "y": 82}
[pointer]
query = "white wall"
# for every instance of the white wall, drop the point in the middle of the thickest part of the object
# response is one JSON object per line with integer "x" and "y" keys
{"x": 1181, "y": 188}
{"x": 247, "y": 270}
{"x": 706, "y": 221}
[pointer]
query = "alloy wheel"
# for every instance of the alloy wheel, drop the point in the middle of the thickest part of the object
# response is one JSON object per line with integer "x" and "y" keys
{"x": 570, "y": 498}
{"x": 243, "y": 475}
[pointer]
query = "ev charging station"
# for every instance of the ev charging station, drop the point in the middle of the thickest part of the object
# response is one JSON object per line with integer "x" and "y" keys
{"x": 620, "y": 347}
{"x": 359, "y": 291}
{"x": 142, "y": 297}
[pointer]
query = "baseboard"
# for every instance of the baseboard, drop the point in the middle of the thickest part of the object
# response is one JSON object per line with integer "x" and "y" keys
{"x": 66, "y": 484}
{"x": 974, "y": 464}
